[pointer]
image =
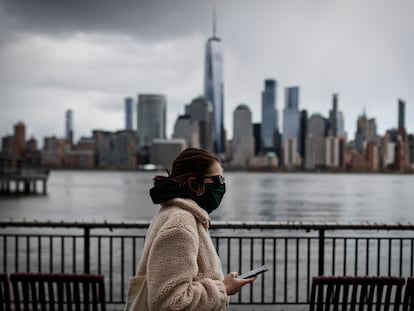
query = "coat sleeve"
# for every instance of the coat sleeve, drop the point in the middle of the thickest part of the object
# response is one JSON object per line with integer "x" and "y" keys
{"x": 173, "y": 283}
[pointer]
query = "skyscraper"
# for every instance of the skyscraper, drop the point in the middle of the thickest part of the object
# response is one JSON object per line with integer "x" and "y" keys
{"x": 291, "y": 121}
{"x": 214, "y": 88}
{"x": 69, "y": 125}
{"x": 187, "y": 129}
{"x": 129, "y": 101}
{"x": 201, "y": 110}
{"x": 366, "y": 132}
{"x": 315, "y": 142}
{"x": 336, "y": 124}
{"x": 292, "y": 98}
{"x": 303, "y": 132}
{"x": 19, "y": 140}
{"x": 333, "y": 116}
{"x": 291, "y": 113}
{"x": 401, "y": 114}
{"x": 341, "y": 124}
{"x": 243, "y": 140}
{"x": 269, "y": 116}
{"x": 151, "y": 118}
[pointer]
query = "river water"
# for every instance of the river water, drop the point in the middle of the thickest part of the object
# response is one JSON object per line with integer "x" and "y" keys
{"x": 117, "y": 196}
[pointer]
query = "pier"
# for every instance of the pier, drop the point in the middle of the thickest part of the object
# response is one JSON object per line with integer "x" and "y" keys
{"x": 23, "y": 181}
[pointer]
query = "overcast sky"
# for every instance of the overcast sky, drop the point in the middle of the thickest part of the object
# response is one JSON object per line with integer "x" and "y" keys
{"x": 88, "y": 55}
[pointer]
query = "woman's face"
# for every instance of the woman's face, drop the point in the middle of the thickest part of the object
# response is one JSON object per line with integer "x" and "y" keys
{"x": 215, "y": 170}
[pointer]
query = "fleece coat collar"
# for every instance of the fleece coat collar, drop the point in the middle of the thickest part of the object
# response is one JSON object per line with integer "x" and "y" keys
{"x": 189, "y": 205}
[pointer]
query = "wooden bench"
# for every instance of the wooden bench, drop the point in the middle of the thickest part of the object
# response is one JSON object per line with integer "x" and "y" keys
{"x": 356, "y": 293}
{"x": 4, "y": 292}
{"x": 46, "y": 291}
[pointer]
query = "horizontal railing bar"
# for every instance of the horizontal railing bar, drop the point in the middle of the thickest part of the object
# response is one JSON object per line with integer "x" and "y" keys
{"x": 214, "y": 225}
{"x": 245, "y": 237}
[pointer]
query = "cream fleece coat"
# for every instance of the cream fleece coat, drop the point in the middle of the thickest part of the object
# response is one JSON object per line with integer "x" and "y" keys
{"x": 179, "y": 259}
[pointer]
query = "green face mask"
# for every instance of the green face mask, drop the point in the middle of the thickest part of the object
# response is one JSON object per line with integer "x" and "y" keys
{"x": 212, "y": 196}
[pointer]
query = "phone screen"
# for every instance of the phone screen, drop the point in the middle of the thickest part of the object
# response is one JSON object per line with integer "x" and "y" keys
{"x": 253, "y": 272}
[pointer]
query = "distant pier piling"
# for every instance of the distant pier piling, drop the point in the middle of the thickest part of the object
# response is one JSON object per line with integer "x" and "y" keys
{"x": 23, "y": 181}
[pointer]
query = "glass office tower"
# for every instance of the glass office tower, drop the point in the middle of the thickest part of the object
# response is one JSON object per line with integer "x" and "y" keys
{"x": 151, "y": 121}
{"x": 128, "y": 112}
{"x": 401, "y": 114}
{"x": 69, "y": 125}
{"x": 291, "y": 113}
{"x": 214, "y": 89}
{"x": 269, "y": 116}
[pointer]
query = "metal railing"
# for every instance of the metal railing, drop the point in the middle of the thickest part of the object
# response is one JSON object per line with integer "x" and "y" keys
{"x": 293, "y": 252}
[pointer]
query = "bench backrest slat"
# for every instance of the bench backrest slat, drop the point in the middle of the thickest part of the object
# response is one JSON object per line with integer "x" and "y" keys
{"x": 334, "y": 293}
{"x": 4, "y": 292}
{"x": 60, "y": 292}
{"x": 409, "y": 295}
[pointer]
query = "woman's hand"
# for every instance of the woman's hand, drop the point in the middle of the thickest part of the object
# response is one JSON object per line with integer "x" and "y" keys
{"x": 233, "y": 284}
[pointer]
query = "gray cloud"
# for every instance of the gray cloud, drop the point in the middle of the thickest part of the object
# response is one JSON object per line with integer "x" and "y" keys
{"x": 89, "y": 55}
{"x": 146, "y": 19}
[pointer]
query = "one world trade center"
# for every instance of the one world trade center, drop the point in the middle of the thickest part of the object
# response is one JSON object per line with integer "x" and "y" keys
{"x": 213, "y": 88}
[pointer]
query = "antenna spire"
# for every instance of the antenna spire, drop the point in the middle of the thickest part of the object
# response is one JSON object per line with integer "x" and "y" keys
{"x": 214, "y": 23}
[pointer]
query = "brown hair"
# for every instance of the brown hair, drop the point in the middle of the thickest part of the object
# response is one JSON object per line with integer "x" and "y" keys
{"x": 191, "y": 162}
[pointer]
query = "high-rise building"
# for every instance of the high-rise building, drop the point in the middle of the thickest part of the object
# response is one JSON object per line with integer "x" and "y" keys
{"x": 164, "y": 151}
{"x": 201, "y": 111}
{"x": 257, "y": 133}
{"x": 387, "y": 150}
{"x": 292, "y": 98}
{"x": 291, "y": 118}
{"x": 129, "y": 102}
{"x": 303, "y": 132}
{"x": 243, "y": 140}
{"x": 336, "y": 124}
{"x": 331, "y": 149}
{"x": 290, "y": 150}
{"x": 19, "y": 141}
{"x": 366, "y": 132}
{"x": 333, "y": 116}
{"x": 69, "y": 125}
{"x": 14, "y": 146}
{"x": 411, "y": 149}
{"x": 401, "y": 114}
{"x": 315, "y": 142}
{"x": 401, "y": 151}
{"x": 195, "y": 125}
{"x": 151, "y": 118}
{"x": 317, "y": 125}
{"x": 115, "y": 149}
{"x": 187, "y": 129}
{"x": 269, "y": 116}
{"x": 214, "y": 88}
{"x": 341, "y": 125}
{"x": 54, "y": 149}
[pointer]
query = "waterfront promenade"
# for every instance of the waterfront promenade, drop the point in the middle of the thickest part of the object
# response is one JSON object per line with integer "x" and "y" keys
{"x": 293, "y": 252}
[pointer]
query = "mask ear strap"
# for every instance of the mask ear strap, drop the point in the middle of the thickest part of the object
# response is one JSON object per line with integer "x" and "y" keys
{"x": 202, "y": 192}
{"x": 195, "y": 184}
{"x": 200, "y": 182}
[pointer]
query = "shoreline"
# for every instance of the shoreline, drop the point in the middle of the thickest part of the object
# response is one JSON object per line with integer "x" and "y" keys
{"x": 246, "y": 170}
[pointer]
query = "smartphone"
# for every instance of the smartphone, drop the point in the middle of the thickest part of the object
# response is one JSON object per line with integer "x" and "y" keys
{"x": 253, "y": 272}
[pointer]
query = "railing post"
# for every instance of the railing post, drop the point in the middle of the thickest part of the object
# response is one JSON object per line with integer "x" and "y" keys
{"x": 321, "y": 257}
{"x": 86, "y": 251}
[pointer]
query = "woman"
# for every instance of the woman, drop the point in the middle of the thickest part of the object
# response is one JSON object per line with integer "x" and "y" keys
{"x": 182, "y": 268}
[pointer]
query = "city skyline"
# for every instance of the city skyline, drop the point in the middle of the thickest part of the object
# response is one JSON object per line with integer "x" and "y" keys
{"x": 74, "y": 58}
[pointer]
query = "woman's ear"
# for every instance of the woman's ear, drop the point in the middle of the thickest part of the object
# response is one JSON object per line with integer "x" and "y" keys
{"x": 195, "y": 186}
